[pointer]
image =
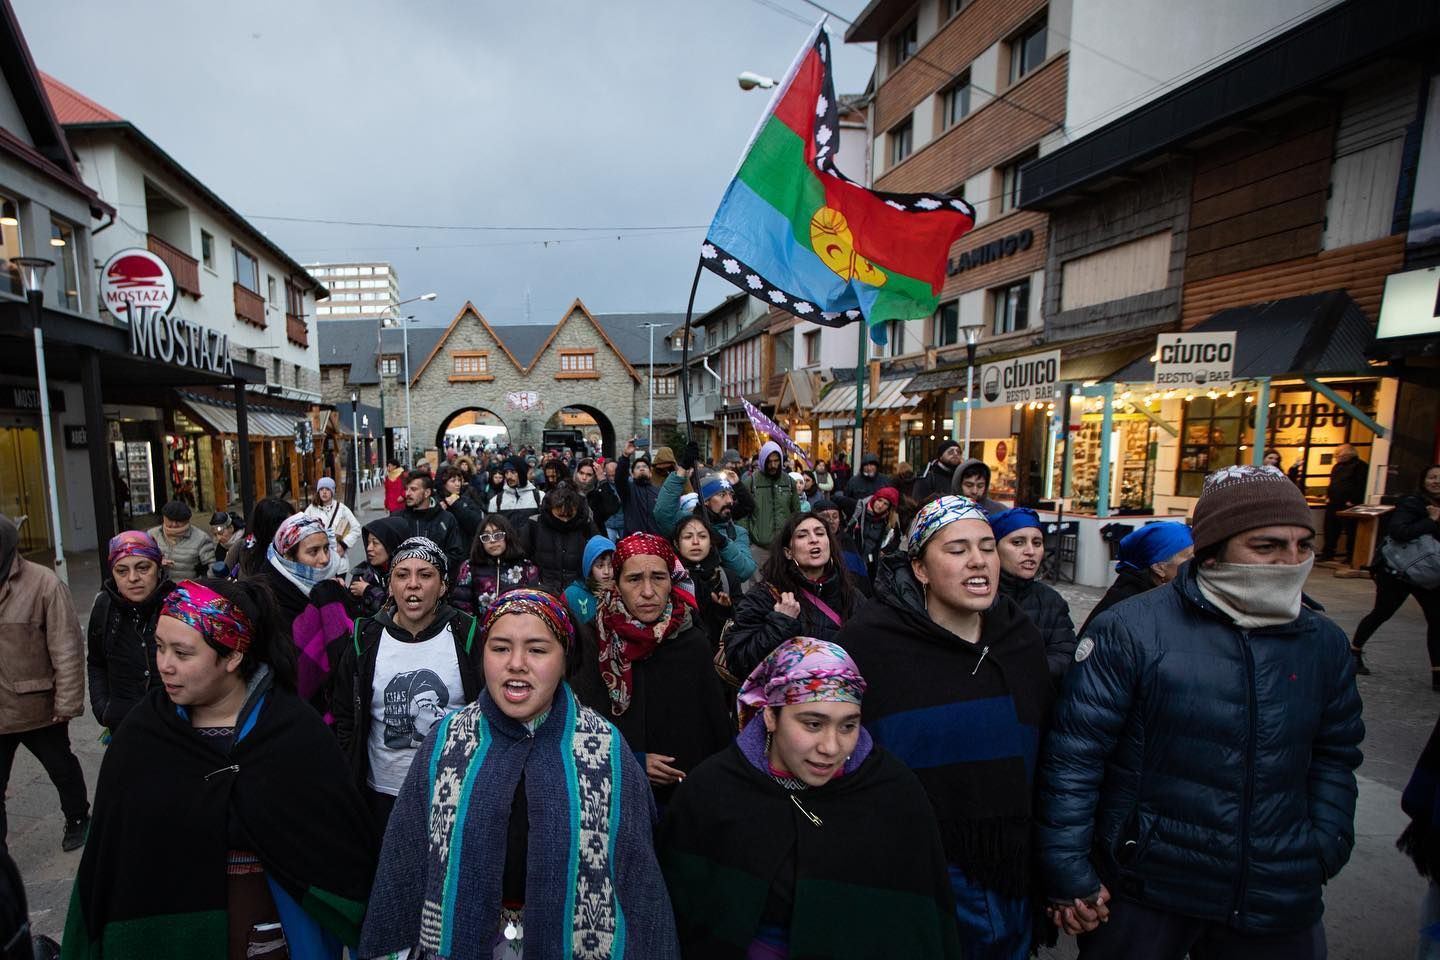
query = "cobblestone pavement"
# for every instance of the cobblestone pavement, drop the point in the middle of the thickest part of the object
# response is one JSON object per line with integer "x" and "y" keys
{"x": 1371, "y": 908}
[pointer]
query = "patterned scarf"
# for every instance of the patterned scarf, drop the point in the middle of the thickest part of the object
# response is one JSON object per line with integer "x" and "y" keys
{"x": 216, "y": 617}
{"x": 422, "y": 548}
{"x": 132, "y": 543}
{"x": 623, "y": 639}
{"x": 535, "y": 602}
{"x": 938, "y": 514}
{"x": 801, "y": 670}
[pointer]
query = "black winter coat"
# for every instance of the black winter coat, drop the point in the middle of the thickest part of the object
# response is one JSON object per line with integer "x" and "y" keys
{"x": 1202, "y": 769}
{"x": 439, "y": 525}
{"x": 710, "y": 578}
{"x": 120, "y": 651}
{"x": 758, "y": 628}
{"x": 1050, "y": 614}
{"x": 937, "y": 478}
{"x": 468, "y": 512}
{"x": 557, "y": 547}
{"x": 354, "y": 678}
{"x": 861, "y": 486}
{"x": 1129, "y": 582}
{"x": 637, "y": 499}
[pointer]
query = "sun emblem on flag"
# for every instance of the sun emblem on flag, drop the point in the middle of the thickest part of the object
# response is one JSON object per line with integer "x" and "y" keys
{"x": 833, "y": 242}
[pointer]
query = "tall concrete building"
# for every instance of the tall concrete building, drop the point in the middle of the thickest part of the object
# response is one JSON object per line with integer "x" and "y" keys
{"x": 357, "y": 290}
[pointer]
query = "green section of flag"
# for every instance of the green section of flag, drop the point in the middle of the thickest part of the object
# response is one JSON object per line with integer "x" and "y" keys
{"x": 775, "y": 168}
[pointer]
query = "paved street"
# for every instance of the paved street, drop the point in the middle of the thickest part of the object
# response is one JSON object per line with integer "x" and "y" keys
{"x": 1370, "y": 907}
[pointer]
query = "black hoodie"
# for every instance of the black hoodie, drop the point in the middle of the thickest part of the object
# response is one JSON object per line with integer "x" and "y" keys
{"x": 968, "y": 718}
{"x": 557, "y": 547}
{"x": 120, "y": 650}
{"x": 391, "y": 532}
{"x": 440, "y": 525}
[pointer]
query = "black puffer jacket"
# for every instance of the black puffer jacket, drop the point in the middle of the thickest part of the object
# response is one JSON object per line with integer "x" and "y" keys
{"x": 1050, "y": 613}
{"x": 557, "y": 547}
{"x": 1129, "y": 582}
{"x": 758, "y": 628}
{"x": 120, "y": 651}
{"x": 468, "y": 512}
{"x": 1200, "y": 768}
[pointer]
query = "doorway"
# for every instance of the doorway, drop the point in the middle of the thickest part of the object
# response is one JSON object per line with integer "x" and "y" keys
{"x": 22, "y": 485}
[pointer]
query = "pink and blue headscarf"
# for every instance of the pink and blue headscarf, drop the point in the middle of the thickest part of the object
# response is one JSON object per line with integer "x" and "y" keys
{"x": 938, "y": 514}
{"x": 537, "y": 603}
{"x": 218, "y": 618}
{"x": 132, "y": 543}
{"x": 800, "y": 670}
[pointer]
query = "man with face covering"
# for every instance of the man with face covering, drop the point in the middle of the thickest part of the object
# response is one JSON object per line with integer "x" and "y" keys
{"x": 1200, "y": 765}
{"x": 776, "y": 497}
{"x": 638, "y": 494}
{"x": 939, "y": 474}
{"x": 867, "y": 481}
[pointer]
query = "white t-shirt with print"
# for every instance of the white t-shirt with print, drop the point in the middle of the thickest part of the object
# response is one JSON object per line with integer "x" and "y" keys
{"x": 415, "y": 685}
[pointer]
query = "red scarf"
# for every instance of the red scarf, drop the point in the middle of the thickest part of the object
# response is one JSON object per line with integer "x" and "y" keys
{"x": 624, "y": 640}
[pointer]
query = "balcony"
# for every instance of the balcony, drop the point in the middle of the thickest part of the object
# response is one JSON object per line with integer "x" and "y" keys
{"x": 295, "y": 330}
{"x": 185, "y": 268}
{"x": 249, "y": 306}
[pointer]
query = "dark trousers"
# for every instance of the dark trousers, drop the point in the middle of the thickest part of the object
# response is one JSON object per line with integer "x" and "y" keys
{"x": 1390, "y": 594}
{"x": 1140, "y": 933}
{"x": 1334, "y": 525}
{"x": 51, "y": 746}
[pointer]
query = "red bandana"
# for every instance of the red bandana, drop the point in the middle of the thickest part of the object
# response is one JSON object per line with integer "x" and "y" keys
{"x": 623, "y": 639}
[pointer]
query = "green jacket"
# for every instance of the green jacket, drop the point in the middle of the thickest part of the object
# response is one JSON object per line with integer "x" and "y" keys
{"x": 775, "y": 500}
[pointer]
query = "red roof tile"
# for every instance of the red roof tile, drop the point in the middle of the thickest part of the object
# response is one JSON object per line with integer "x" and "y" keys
{"x": 72, "y": 106}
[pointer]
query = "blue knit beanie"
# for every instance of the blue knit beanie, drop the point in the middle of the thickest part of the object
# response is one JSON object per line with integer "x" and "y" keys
{"x": 1007, "y": 522}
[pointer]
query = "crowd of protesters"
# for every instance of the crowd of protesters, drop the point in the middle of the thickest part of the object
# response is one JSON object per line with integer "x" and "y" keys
{"x": 555, "y": 706}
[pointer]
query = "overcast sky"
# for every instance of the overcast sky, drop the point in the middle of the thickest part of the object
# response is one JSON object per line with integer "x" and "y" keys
{"x": 622, "y": 114}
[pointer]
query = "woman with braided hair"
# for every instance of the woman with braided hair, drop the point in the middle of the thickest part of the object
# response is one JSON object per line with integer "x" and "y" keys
{"x": 525, "y": 822}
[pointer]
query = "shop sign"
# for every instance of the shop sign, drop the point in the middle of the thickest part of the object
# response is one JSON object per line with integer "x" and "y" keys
{"x": 1194, "y": 359}
{"x": 522, "y": 400}
{"x": 136, "y": 277}
{"x": 165, "y": 337}
{"x": 28, "y": 399}
{"x": 76, "y": 437}
{"x": 1006, "y": 246}
{"x": 1035, "y": 376}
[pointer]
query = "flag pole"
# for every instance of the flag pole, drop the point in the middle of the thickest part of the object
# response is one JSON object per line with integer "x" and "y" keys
{"x": 855, "y": 452}
{"x": 685, "y": 352}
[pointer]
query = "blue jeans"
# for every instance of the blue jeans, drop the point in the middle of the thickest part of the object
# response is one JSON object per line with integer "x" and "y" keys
{"x": 992, "y": 926}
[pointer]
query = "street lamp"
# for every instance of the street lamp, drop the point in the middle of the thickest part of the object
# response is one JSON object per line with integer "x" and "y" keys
{"x": 355, "y": 431}
{"x": 32, "y": 276}
{"x": 749, "y": 81}
{"x": 403, "y": 323}
{"x": 652, "y": 327}
{"x": 972, "y": 338}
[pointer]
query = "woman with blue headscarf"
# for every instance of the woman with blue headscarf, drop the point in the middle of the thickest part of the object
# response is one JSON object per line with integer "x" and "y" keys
{"x": 1149, "y": 557}
{"x": 1020, "y": 541}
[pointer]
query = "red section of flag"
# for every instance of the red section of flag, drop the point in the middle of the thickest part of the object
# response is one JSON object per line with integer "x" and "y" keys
{"x": 914, "y": 242}
{"x": 796, "y": 108}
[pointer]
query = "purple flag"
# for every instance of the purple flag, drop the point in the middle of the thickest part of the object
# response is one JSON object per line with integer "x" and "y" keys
{"x": 764, "y": 424}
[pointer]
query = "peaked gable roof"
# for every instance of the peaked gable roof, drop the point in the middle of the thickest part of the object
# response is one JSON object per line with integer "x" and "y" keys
{"x": 352, "y": 344}
{"x": 50, "y": 151}
{"x": 72, "y": 106}
{"x": 469, "y": 309}
{"x": 585, "y": 312}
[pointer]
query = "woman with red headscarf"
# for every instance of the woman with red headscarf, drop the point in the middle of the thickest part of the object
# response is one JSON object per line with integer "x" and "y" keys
{"x": 650, "y": 671}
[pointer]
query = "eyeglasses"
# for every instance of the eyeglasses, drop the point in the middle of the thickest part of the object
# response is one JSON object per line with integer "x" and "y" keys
{"x": 492, "y": 538}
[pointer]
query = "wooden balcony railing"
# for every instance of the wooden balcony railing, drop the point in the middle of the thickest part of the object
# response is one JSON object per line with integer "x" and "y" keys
{"x": 295, "y": 330}
{"x": 249, "y": 306}
{"x": 185, "y": 268}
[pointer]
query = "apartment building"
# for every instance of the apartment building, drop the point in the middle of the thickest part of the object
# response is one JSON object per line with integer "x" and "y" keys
{"x": 357, "y": 290}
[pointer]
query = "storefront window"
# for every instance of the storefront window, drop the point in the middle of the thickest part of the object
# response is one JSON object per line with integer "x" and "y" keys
{"x": 63, "y": 250}
{"x": 10, "y": 246}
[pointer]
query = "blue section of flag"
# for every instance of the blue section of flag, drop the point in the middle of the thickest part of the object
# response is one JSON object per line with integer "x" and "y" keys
{"x": 963, "y": 732}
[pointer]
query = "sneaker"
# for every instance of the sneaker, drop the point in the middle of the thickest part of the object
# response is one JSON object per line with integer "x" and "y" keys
{"x": 74, "y": 837}
{"x": 1360, "y": 668}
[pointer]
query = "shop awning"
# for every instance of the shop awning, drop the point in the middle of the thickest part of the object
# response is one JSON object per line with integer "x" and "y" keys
{"x": 1320, "y": 334}
{"x": 797, "y": 392}
{"x": 1094, "y": 364}
{"x": 221, "y": 419}
{"x": 890, "y": 396}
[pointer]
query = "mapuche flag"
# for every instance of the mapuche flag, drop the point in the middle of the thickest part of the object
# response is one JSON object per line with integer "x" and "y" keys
{"x": 795, "y": 232}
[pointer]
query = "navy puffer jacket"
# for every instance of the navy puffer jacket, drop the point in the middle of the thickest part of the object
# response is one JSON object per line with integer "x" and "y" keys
{"x": 1199, "y": 768}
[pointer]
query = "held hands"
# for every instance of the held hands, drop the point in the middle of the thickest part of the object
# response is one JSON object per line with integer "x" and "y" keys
{"x": 658, "y": 769}
{"x": 788, "y": 605}
{"x": 1081, "y": 916}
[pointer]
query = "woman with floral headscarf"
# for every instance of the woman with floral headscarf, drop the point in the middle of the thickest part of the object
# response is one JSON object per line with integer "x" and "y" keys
{"x": 120, "y": 648}
{"x": 225, "y": 825}
{"x": 960, "y": 692}
{"x": 769, "y": 841}
{"x": 302, "y": 570}
{"x": 524, "y": 825}
{"x": 652, "y": 671}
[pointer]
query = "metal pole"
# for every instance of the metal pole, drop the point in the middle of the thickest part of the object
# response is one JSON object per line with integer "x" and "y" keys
{"x": 355, "y": 467}
{"x": 1262, "y": 422}
{"x": 409, "y": 424}
{"x": 43, "y": 382}
{"x": 969, "y": 393}
{"x": 1107, "y": 424}
{"x": 380, "y": 386}
{"x": 855, "y": 451}
{"x": 652, "y": 390}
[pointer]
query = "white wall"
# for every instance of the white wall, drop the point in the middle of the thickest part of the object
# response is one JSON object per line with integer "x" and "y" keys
{"x": 1157, "y": 44}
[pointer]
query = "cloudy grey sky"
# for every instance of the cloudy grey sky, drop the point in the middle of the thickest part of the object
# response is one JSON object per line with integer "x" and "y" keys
{"x": 622, "y": 114}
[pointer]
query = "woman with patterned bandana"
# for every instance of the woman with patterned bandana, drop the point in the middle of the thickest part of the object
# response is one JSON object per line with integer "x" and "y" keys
{"x": 571, "y": 870}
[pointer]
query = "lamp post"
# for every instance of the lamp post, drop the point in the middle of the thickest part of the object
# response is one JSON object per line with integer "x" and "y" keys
{"x": 32, "y": 275}
{"x": 651, "y": 418}
{"x": 972, "y": 338}
{"x": 355, "y": 431}
{"x": 404, "y": 324}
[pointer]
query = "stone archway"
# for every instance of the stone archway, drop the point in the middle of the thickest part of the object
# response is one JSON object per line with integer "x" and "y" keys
{"x": 589, "y": 421}
{"x": 474, "y": 416}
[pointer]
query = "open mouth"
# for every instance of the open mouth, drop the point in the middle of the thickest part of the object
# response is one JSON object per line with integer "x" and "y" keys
{"x": 820, "y": 769}
{"x": 980, "y": 586}
{"x": 517, "y": 691}
{"x": 171, "y": 689}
